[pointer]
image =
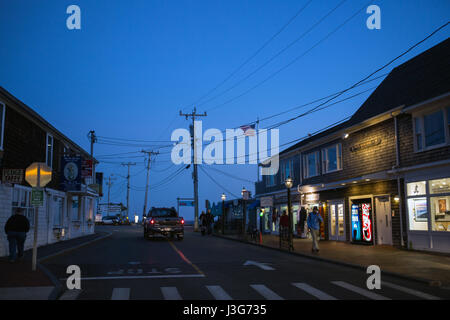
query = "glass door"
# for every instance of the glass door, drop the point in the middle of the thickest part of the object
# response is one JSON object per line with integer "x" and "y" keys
{"x": 337, "y": 230}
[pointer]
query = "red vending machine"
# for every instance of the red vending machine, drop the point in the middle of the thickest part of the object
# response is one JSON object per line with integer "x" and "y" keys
{"x": 362, "y": 221}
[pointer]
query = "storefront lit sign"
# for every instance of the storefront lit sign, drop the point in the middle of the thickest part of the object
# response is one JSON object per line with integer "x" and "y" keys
{"x": 416, "y": 188}
{"x": 266, "y": 202}
{"x": 365, "y": 145}
{"x": 313, "y": 197}
{"x": 367, "y": 224}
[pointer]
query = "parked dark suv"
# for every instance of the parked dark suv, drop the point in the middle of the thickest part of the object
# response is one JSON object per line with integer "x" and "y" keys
{"x": 163, "y": 222}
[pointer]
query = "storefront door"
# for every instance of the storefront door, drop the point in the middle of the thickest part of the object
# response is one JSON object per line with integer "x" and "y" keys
{"x": 384, "y": 220}
{"x": 336, "y": 217}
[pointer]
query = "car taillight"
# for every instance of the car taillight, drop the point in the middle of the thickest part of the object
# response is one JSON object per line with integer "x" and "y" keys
{"x": 152, "y": 221}
{"x": 182, "y": 221}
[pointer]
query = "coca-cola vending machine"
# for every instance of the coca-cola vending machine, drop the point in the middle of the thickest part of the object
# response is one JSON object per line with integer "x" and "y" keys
{"x": 362, "y": 222}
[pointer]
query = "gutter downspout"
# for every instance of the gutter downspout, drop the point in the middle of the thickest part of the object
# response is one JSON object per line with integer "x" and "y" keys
{"x": 397, "y": 165}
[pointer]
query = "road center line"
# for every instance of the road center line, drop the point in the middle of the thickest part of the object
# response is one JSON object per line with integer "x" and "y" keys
{"x": 186, "y": 259}
{"x": 144, "y": 277}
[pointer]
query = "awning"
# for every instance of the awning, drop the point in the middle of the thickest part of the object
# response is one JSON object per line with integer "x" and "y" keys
{"x": 254, "y": 204}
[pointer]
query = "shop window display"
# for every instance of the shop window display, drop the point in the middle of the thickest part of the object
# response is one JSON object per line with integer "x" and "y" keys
{"x": 440, "y": 213}
{"x": 418, "y": 214}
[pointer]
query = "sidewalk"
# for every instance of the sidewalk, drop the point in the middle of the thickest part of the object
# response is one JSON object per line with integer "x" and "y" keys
{"x": 19, "y": 282}
{"x": 427, "y": 267}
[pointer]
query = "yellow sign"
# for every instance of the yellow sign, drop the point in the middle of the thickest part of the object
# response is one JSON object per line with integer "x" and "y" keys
{"x": 38, "y": 174}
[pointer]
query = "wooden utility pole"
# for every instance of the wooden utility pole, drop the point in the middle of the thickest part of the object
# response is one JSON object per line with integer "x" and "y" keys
{"x": 128, "y": 164}
{"x": 93, "y": 138}
{"x": 109, "y": 188}
{"x": 193, "y": 115}
{"x": 149, "y": 153}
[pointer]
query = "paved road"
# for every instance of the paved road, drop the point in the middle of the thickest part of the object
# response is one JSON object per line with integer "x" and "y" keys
{"x": 126, "y": 266}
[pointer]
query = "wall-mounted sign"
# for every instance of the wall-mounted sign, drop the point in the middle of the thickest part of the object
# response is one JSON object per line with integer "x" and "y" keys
{"x": 12, "y": 176}
{"x": 71, "y": 173}
{"x": 266, "y": 202}
{"x": 365, "y": 145}
{"x": 86, "y": 168}
{"x": 312, "y": 197}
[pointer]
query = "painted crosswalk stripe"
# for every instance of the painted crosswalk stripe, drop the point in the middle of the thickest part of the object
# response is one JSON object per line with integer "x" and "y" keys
{"x": 413, "y": 292}
{"x": 120, "y": 294}
{"x": 363, "y": 292}
{"x": 313, "y": 291}
{"x": 218, "y": 293}
{"x": 266, "y": 292}
{"x": 171, "y": 293}
{"x": 70, "y": 295}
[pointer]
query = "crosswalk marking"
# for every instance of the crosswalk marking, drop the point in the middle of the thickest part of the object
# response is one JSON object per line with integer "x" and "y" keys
{"x": 120, "y": 294}
{"x": 413, "y": 292}
{"x": 218, "y": 293}
{"x": 313, "y": 291}
{"x": 266, "y": 292}
{"x": 171, "y": 293}
{"x": 363, "y": 292}
{"x": 70, "y": 295}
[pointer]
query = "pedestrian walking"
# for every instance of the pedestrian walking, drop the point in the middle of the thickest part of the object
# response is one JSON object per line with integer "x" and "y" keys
{"x": 16, "y": 229}
{"x": 314, "y": 220}
{"x": 204, "y": 222}
{"x": 302, "y": 221}
{"x": 209, "y": 221}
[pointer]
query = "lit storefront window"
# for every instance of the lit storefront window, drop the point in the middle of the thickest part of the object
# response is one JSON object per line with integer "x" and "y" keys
{"x": 440, "y": 205}
{"x": 418, "y": 214}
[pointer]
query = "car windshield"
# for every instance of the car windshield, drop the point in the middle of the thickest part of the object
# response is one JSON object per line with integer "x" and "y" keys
{"x": 163, "y": 213}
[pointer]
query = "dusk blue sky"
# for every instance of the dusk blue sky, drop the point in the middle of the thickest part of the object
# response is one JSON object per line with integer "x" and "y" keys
{"x": 134, "y": 64}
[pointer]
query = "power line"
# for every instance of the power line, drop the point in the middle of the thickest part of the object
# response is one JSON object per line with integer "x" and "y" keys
{"x": 230, "y": 175}
{"x": 255, "y": 53}
{"x": 291, "y": 62}
{"x": 218, "y": 184}
{"x": 277, "y": 54}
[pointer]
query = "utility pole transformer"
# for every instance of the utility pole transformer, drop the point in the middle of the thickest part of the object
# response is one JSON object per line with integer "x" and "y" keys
{"x": 193, "y": 115}
{"x": 128, "y": 164}
{"x": 149, "y": 153}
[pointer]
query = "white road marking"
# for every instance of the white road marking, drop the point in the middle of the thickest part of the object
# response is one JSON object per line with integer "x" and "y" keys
{"x": 413, "y": 292}
{"x": 313, "y": 291}
{"x": 218, "y": 293}
{"x": 363, "y": 292}
{"x": 258, "y": 264}
{"x": 195, "y": 275}
{"x": 266, "y": 292}
{"x": 171, "y": 293}
{"x": 121, "y": 294}
{"x": 70, "y": 295}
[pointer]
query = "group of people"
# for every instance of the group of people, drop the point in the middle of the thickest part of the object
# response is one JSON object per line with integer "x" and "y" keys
{"x": 313, "y": 221}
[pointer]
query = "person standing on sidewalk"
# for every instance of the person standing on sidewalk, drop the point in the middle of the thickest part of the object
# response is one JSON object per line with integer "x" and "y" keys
{"x": 16, "y": 229}
{"x": 314, "y": 220}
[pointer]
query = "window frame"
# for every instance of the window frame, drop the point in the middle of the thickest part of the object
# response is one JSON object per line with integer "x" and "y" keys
{"x": 29, "y": 209}
{"x": 46, "y": 149}
{"x": 271, "y": 180}
{"x": 2, "y": 131}
{"x": 325, "y": 161}
{"x": 290, "y": 164}
{"x": 306, "y": 173}
{"x": 419, "y": 117}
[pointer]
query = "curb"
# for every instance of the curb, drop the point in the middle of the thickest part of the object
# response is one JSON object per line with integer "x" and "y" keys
{"x": 432, "y": 283}
{"x": 58, "y": 290}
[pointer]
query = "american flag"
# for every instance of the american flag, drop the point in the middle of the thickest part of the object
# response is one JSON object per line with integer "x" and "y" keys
{"x": 249, "y": 130}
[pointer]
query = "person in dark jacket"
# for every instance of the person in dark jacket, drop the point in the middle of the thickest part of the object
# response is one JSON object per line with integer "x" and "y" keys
{"x": 16, "y": 229}
{"x": 302, "y": 220}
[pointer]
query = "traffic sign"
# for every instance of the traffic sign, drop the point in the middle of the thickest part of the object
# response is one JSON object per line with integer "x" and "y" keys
{"x": 37, "y": 197}
{"x": 38, "y": 174}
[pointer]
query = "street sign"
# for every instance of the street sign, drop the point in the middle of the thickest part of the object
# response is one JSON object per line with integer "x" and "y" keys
{"x": 37, "y": 197}
{"x": 12, "y": 176}
{"x": 38, "y": 174}
{"x": 184, "y": 203}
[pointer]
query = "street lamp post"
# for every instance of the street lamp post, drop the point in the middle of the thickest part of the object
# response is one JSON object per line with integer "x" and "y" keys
{"x": 288, "y": 183}
{"x": 244, "y": 213}
{"x": 223, "y": 212}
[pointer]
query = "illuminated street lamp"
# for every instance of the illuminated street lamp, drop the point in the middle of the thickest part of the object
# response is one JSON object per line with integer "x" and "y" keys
{"x": 289, "y": 183}
{"x": 223, "y": 212}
